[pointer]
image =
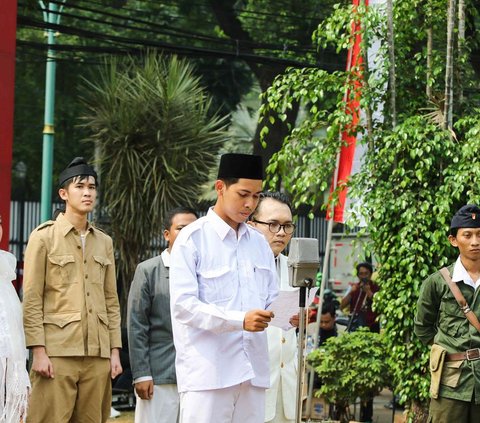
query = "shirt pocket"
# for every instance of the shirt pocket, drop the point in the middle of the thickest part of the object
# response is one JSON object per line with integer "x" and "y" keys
{"x": 262, "y": 275}
{"x": 451, "y": 317}
{"x": 63, "y": 329}
{"x": 216, "y": 285}
{"x": 61, "y": 269}
{"x": 100, "y": 267}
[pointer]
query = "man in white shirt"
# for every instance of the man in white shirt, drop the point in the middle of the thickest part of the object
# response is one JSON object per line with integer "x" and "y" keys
{"x": 273, "y": 217}
{"x": 222, "y": 280}
{"x": 152, "y": 353}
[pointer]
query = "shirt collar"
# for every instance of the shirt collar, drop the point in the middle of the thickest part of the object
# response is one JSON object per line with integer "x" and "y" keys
{"x": 461, "y": 274}
{"x": 222, "y": 228}
{"x": 66, "y": 226}
{"x": 166, "y": 258}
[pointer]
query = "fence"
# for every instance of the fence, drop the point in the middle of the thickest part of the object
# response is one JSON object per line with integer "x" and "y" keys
{"x": 25, "y": 217}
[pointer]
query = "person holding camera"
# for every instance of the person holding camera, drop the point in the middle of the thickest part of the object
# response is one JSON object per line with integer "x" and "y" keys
{"x": 359, "y": 299}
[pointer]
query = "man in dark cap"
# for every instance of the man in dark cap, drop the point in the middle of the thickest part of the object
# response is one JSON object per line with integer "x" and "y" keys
{"x": 222, "y": 279}
{"x": 71, "y": 310}
{"x": 440, "y": 322}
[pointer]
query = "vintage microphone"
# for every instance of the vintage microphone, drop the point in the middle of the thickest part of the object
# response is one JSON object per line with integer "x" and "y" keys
{"x": 303, "y": 264}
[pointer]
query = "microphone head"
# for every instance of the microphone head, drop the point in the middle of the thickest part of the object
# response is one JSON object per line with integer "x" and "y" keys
{"x": 303, "y": 262}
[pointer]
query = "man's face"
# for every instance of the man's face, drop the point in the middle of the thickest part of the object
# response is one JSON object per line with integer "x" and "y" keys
{"x": 179, "y": 221}
{"x": 237, "y": 202}
{"x": 80, "y": 195}
{"x": 468, "y": 243}
{"x": 273, "y": 211}
{"x": 327, "y": 321}
{"x": 364, "y": 273}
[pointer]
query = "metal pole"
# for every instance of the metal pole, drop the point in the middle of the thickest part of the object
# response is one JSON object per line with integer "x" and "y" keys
{"x": 51, "y": 15}
{"x": 301, "y": 338}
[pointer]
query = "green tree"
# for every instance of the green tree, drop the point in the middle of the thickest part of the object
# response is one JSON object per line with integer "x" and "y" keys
{"x": 157, "y": 140}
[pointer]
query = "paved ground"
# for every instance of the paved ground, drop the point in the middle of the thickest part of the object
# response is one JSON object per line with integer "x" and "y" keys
{"x": 380, "y": 413}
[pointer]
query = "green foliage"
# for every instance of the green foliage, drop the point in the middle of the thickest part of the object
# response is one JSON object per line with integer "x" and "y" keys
{"x": 351, "y": 365}
{"x": 157, "y": 143}
{"x": 414, "y": 177}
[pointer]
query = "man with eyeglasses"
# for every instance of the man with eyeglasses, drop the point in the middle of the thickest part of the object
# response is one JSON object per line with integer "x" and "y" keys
{"x": 273, "y": 218}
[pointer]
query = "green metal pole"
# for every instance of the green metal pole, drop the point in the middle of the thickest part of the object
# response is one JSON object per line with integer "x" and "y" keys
{"x": 48, "y": 129}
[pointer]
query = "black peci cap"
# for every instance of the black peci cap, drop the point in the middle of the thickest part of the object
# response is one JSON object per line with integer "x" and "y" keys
{"x": 467, "y": 216}
{"x": 77, "y": 167}
{"x": 234, "y": 165}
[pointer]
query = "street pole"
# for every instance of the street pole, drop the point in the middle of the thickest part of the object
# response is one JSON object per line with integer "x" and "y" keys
{"x": 51, "y": 15}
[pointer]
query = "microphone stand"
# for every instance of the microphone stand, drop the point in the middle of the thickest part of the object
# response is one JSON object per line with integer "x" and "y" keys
{"x": 301, "y": 341}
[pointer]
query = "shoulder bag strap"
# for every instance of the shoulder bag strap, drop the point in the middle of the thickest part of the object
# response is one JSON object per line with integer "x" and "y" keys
{"x": 469, "y": 314}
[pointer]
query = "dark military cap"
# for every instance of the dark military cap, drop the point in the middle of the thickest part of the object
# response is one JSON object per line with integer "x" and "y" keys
{"x": 467, "y": 216}
{"x": 233, "y": 165}
{"x": 77, "y": 167}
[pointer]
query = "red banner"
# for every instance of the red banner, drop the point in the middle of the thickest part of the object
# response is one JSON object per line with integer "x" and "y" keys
{"x": 8, "y": 17}
{"x": 352, "y": 106}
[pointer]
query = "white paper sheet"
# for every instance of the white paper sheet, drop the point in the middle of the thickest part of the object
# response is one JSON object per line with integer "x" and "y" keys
{"x": 286, "y": 305}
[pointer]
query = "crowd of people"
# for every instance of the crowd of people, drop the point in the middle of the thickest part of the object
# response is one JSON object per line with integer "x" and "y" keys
{"x": 202, "y": 344}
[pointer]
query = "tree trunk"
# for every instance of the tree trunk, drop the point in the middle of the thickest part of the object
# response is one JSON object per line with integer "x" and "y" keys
{"x": 461, "y": 43}
{"x": 391, "y": 54}
{"x": 448, "y": 107}
{"x": 429, "y": 62}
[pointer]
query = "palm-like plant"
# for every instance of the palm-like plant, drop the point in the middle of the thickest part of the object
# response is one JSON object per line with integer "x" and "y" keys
{"x": 157, "y": 140}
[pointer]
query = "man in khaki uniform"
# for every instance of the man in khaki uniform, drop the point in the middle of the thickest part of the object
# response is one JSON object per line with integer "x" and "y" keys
{"x": 71, "y": 310}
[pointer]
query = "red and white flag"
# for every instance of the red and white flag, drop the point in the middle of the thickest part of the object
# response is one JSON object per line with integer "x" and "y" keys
{"x": 352, "y": 106}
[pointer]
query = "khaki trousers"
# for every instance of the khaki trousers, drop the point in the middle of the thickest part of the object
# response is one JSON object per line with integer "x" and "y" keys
{"x": 446, "y": 410}
{"x": 80, "y": 392}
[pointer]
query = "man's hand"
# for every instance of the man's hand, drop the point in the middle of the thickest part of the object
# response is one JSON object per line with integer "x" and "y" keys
{"x": 41, "y": 363}
{"x": 115, "y": 365}
{"x": 257, "y": 320}
{"x": 144, "y": 389}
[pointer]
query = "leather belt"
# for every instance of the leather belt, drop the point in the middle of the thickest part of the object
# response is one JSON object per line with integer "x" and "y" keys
{"x": 470, "y": 355}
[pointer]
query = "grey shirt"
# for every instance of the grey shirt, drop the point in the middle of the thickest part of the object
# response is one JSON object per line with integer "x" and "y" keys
{"x": 150, "y": 340}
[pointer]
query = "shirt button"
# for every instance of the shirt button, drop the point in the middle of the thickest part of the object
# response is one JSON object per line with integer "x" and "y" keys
{"x": 283, "y": 340}
{"x": 86, "y": 276}
{"x": 85, "y": 261}
{"x": 88, "y": 294}
{"x": 78, "y": 246}
{"x": 281, "y": 365}
{"x": 89, "y": 310}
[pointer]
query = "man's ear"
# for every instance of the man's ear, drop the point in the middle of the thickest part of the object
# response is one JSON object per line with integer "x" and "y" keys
{"x": 453, "y": 240}
{"x": 220, "y": 187}
{"x": 166, "y": 235}
{"x": 62, "y": 193}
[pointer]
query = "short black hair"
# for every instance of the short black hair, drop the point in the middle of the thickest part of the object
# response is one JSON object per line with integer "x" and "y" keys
{"x": 328, "y": 308}
{"x": 454, "y": 231}
{"x": 366, "y": 265}
{"x": 229, "y": 181}
{"x": 274, "y": 195}
{"x": 167, "y": 222}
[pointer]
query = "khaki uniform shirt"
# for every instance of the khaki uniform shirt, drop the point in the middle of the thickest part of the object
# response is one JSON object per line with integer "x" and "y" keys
{"x": 440, "y": 319}
{"x": 70, "y": 296}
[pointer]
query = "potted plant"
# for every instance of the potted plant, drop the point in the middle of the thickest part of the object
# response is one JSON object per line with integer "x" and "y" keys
{"x": 350, "y": 366}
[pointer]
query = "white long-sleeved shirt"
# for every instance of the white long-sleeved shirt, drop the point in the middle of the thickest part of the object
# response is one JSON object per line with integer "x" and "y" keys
{"x": 216, "y": 276}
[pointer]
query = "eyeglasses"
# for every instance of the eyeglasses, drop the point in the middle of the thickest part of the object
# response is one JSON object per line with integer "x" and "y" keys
{"x": 275, "y": 227}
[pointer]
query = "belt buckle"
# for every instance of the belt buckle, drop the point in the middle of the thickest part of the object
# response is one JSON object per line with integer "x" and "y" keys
{"x": 473, "y": 354}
